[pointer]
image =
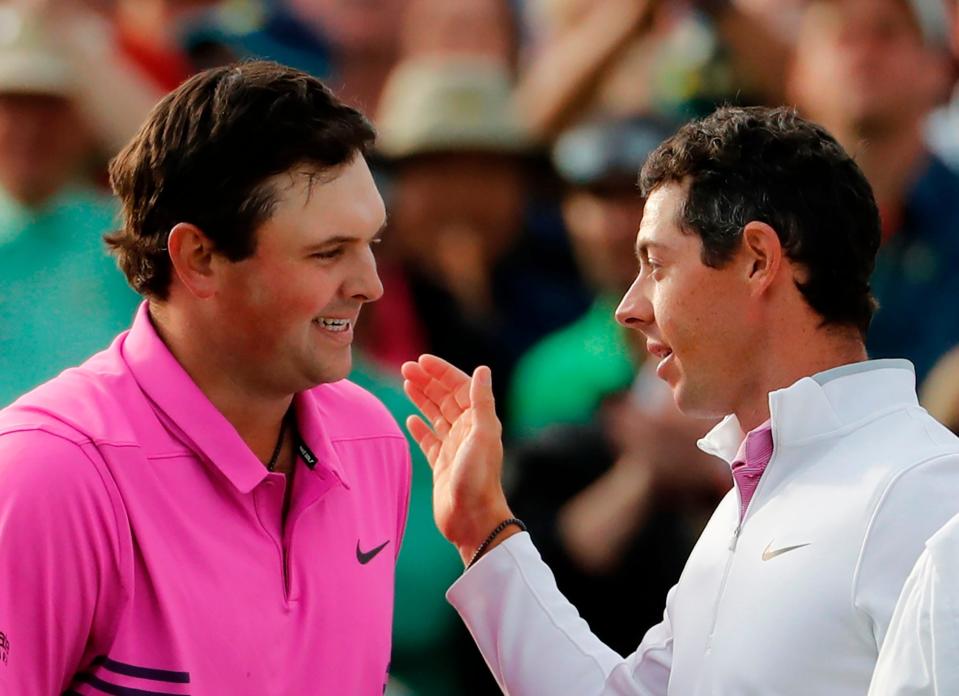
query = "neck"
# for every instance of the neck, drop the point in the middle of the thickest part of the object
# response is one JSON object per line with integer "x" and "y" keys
{"x": 257, "y": 417}
{"x": 888, "y": 158}
{"x": 831, "y": 348}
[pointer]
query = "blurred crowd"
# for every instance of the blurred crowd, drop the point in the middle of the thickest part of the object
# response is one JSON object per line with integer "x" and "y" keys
{"x": 511, "y": 133}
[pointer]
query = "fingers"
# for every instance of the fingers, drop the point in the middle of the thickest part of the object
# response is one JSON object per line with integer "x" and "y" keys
{"x": 443, "y": 371}
{"x": 425, "y": 438}
{"x": 439, "y": 383}
{"x": 481, "y": 397}
{"x": 414, "y": 373}
{"x": 429, "y": 408}
{"x": 451, "y": 405}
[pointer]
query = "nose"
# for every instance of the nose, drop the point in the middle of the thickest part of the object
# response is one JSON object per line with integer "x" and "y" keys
{"x": 365, "y": 284}
{"x": 635, "y": 311}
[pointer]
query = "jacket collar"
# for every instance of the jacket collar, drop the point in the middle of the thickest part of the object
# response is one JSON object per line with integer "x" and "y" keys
{"x": 823, "y": 404}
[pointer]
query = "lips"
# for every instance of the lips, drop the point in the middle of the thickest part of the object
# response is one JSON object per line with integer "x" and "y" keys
{"x": 337, "y": 329}
{"x": 661, "y": 351}
{"x": 335, "y": 325}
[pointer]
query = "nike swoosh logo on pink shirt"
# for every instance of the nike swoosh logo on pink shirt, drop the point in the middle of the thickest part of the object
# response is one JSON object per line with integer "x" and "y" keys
{"x": 365, "y": 557}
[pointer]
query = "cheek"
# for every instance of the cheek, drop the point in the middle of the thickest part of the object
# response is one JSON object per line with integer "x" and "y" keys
{"x": 700, "y": 320}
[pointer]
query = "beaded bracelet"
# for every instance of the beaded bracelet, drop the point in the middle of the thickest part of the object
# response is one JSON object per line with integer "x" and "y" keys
{"x": 495, "y": 533}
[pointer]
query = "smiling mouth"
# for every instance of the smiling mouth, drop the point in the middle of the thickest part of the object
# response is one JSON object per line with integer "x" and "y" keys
{"x": 334, "y": 325}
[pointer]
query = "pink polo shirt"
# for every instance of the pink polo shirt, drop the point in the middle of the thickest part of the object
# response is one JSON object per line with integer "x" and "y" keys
{"x": 142, "y": 549}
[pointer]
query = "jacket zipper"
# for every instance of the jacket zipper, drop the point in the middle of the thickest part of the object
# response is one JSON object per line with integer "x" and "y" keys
{"x": 733, "y": 543}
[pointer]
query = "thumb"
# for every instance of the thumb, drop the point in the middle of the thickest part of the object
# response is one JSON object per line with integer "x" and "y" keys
{"x": 481, "y": 396}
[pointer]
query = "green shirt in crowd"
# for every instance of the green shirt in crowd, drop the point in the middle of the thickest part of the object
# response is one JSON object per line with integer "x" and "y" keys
{"x": 62, "y": 297}
{"x": 564, "y": 377}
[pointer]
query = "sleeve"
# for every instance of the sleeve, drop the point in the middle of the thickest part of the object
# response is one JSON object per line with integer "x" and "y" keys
{"x": 913, "y": 507}
{"x": 59, "y": 562}
{"x": 535, "y": 642}
{"x": 918, "y": 657}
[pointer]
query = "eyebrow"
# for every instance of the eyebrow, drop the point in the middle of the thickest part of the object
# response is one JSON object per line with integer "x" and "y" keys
{"x": 343, "y": 239}
{"x": 643, "y": 247}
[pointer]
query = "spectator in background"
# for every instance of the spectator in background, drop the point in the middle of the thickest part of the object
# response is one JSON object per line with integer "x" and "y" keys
{"x": 61, "y": 296}
{"x": 464, "y": 274}
{"x": 149, "y": 34}
{"x": 480, "y": 28}
{"x": 870, "y": 71}
{"x": 353, "y": 45}
{"x": 620, "y": 57}
{"x": 599, "y": 163}
{"x": 364, "y": 41}
{"x": 942, "y": 128}
{"x": 109, "y": 88}
{"x": 233, "y": 31}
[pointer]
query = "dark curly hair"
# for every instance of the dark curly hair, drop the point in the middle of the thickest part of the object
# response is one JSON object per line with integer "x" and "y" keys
{"x": 206, "y": 151}
{"x": 770, "y": 165}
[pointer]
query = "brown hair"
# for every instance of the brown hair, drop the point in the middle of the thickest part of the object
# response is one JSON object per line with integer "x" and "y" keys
{"x": 205, "y": 153}
{"x": 770, "y": 165}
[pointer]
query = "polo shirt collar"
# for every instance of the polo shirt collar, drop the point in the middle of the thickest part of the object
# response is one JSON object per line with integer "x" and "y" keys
{"x": 204, "y": 429}
{"x": 821, "y": 404}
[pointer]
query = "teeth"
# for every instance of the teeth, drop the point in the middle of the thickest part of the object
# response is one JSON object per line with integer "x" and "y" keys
{"x": 333, "y": 324}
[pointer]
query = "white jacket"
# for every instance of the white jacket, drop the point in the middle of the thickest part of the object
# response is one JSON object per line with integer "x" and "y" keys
{"x": 860, "y": 477}
{"x": 920, "y": 656}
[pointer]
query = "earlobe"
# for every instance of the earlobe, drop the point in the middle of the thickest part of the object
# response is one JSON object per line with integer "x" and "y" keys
{"x": 191, "y": 253}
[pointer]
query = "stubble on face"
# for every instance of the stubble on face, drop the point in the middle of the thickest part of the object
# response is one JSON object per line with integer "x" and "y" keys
{"x": 313, "y": 261}
{"x": 699, "y": 314}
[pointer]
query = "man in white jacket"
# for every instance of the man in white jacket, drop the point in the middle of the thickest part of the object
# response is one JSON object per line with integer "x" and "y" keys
{"x": 755, "y": 252}
{"x": 919, "y": 655}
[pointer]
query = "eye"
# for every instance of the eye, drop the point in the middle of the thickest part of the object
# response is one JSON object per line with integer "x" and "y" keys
{"x": 655, "y": 268}
{"x": 328, "y": 255}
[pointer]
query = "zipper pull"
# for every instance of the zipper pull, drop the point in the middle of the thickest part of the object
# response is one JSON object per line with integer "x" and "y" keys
{"x": 732, "y": 542}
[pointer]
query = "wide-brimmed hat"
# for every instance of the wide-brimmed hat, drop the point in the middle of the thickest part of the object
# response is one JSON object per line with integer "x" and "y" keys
{"x": 432, "y": 105}
{"x": 29, "y": 61}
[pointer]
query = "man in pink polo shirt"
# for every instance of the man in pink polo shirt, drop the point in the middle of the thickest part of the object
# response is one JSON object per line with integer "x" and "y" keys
{"x": 208, "y": 507}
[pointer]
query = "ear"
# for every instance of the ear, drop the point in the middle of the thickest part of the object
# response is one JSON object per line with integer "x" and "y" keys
{"x": 191, "y": 253}
{"x": 763, "y": 255}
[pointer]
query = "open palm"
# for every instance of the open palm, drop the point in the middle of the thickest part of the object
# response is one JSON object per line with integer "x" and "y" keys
{"x": 463, "y": 447}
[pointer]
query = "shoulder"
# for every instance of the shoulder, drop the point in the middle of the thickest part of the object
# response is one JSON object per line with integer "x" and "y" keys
{"x": 88, "y": 402}
{"x": 945, "y": 542}
{"x": 917, "y": 477}
{"x": 902, "y": 444}
{"x": 48, "y": 472}
{"x": 349, "y": 411}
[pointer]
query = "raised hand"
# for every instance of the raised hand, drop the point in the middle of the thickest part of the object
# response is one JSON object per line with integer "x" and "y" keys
{"x": 464, "y": 448}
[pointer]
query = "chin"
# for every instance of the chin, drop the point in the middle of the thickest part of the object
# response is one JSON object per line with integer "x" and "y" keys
{"x": 332, "y": 371}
